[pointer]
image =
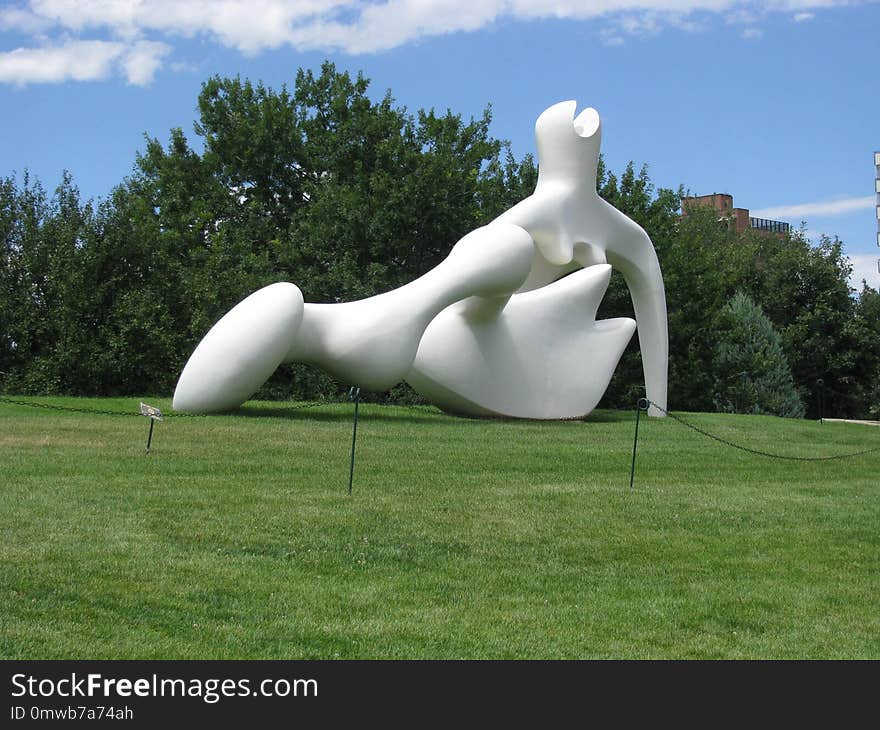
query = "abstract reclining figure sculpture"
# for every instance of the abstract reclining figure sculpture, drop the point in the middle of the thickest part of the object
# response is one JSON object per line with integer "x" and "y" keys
{"x": 505, "y": 325}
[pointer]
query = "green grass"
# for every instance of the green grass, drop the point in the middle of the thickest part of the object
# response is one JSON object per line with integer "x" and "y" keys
{"x": 236, "y": 538}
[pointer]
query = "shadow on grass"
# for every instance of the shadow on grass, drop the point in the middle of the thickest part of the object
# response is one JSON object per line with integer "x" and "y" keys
{"x": 609, "y": 416}
{"x": 331, "y": 411}
{"x": 342, "y": 412}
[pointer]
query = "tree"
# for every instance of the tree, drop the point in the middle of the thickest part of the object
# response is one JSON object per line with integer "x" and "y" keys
{"x": 804, "y": 290}
{"x": 864, "y": 328}
{"x": 11, "y": 294}
{"x": 41, "y": 284}
{"x": 322, "y": 186}
{"x": 751, "y": 373}
{"x": 344, "y": 196}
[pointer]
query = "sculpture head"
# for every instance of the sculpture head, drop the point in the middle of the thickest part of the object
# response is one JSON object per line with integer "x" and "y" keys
{"x": 568, "y": 146}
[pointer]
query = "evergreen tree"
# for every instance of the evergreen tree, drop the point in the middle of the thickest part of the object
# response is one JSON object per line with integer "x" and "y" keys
{"x": 750, "y": 369}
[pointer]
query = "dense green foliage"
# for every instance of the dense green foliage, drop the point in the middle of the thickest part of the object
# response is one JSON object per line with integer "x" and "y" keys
{"x": 345, "y": 196}
{"x": 751, "y": 371}
{"x": 348, "y": 197}
{"x": 236, "y": 537}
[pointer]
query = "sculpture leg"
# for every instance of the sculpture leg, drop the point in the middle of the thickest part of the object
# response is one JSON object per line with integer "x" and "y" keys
{"x": 373, "y": 342}
{"x": 241, "y": 351}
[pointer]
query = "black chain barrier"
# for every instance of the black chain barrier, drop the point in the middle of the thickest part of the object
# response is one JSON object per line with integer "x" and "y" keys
{"x": 154, "y": 414}
{"x": 68, "y": 409}
{"x": 105, "y": 412}
{"x": 354, "y": 396}
{"x": 646, "y": 403}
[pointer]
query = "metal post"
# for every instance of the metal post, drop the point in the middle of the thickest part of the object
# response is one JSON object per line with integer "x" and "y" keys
{"x": 820, "y": 385}
{"x": 642, "y": 405}
{"x": 353, "y": 394}
{"x": 150, "y": 436}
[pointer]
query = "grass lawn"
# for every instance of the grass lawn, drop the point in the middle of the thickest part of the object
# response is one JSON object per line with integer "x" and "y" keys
{"x": 236, "y": 537}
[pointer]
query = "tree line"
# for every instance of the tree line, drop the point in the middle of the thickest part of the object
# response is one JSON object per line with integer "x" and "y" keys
{"x": 349, "y": 197}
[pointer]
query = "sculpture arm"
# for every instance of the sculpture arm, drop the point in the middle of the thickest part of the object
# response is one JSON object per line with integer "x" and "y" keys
{"x": 629, "y": 249}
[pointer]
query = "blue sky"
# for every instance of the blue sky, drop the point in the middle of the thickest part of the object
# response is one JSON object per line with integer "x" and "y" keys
{"x": 777, "y": 103}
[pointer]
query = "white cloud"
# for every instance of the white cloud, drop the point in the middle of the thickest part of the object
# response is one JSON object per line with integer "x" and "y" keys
{"x": 752, "y": 34}
{"x": 803, "y": 17}
{"x": 23, "y": 20}
{"x": 73, "y": 61}
{"x": 141, "y": 61}
{"x": 248, "y": 25}
{"x": 381, "y": 27}
{"x": 741, "y": 14}
{"x": 823, "y": 209}
{"x": 640, "y": 25}
{"x": 82, "y": 61}
{"x": 864, "y": 268}
{"x": 356, "y": 26}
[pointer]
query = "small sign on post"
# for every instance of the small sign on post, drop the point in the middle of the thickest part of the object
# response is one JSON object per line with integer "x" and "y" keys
{"x": 154, "y": 414}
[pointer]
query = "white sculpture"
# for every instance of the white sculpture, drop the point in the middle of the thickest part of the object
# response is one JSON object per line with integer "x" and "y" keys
{"x": 501, "y": 327}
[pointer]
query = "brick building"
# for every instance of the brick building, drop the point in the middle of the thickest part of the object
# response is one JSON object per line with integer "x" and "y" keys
{"x": 739, "y": 218}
